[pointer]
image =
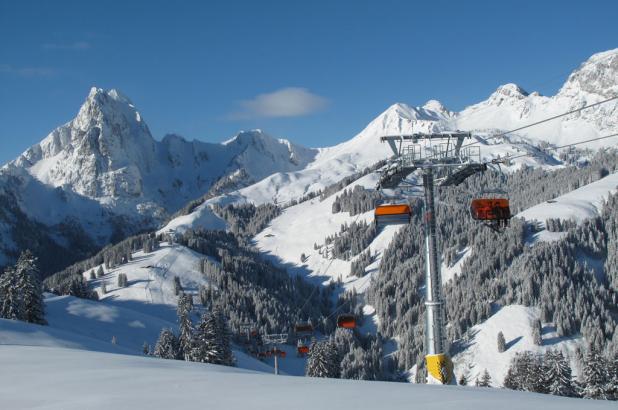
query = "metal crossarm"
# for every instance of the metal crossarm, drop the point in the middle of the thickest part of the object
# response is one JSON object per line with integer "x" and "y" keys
{"x": 460, "y": 175}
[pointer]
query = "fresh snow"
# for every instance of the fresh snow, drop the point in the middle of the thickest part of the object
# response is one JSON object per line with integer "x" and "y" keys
{"x": 583, "y": 203}
{"x": 55, "y": 378}
{"x": 480, "y": 351}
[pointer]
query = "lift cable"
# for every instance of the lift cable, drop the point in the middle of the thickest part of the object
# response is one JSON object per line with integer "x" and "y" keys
{"x": 508, "y": 158}
{"x": 347, "y": 301}
{"x": 542, "y": 121}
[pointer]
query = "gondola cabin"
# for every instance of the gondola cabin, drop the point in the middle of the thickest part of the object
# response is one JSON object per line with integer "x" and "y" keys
{"x": 392, "y": 214}
{"x": 346, "y": 321}
{"x": 303, "y": 350}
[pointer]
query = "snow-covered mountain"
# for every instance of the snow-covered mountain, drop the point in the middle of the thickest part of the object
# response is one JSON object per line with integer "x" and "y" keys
{"x": 510, "y": 106}
{"x": 105, "y": 175}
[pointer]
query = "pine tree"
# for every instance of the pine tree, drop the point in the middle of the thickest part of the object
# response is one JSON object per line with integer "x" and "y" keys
{"x": 30, "y": 288}
{"x": 224, "y": 339}
{"x": 595, "y": 375}
{"x": 177, "y": 286}
{"x": 92, "y": 275}
{"x": 511, "y": 380}
{"x": 211, "y": 341}
{"x": 612, "y": 385}
{"x": 536, "y": 333}
{"x": 463, "y": 380}
{"x": 100, "y": 272}
{"x": 558, "y": 375}
{"x": 323, "y": 360}
{"x": 146, "y": 349}
{"x": 103, "y": 287}
{"x": 485, "y": 380}
{"x": 501, "y": 342}
{"x": 10, "y": 297}
{"x": 184, "y": 325}
{"x": 167, "y": 346}
{"x": 122, "y": 280}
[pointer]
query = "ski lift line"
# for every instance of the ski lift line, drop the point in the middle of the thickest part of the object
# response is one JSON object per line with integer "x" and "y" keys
{"x": 368, "y": 277}
{"x": 555, "y": 117}
{"x": 496, "y": 161}
{"x": 314, "y": 289}
{"x": 542, "y": 121}
{"x": 326, "y": 270}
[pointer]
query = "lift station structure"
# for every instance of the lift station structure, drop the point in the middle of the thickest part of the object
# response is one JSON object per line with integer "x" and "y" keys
{"x": 428, "y": 152}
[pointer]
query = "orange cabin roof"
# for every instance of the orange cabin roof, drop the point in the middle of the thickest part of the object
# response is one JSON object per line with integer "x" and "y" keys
{"x": 346, "y": 321}
{"x": 393, "y": 210}
{"x": 490, "y": 209}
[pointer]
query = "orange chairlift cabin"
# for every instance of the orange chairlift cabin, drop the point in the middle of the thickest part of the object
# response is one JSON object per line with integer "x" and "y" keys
{"x": 493, "y": 209}
{"x": 302, "y": 349}
{"x": 346, "y": 321}
{"x": 392, "y": 214}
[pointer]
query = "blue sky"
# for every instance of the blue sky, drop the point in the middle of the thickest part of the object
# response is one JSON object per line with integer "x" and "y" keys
{"x": 315, "y": 72}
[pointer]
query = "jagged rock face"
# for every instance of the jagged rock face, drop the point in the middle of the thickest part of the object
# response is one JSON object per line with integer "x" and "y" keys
{"x": 598, "y": 75}
{"x": 103, "y": 152}
{"x": 107, "y": 153}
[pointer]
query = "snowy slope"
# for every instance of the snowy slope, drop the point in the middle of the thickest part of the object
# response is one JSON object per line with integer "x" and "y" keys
{"x": 151, "y": 278}
{"x": 301, "y": 226}
{"x": 582, "y": 203}
{"x": 54, "y": 378}
{"x": 480, "y": 351}
{"x": 131, "y": 315}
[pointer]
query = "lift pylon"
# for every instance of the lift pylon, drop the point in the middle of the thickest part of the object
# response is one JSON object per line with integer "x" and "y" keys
{"x": 427, "y": 152}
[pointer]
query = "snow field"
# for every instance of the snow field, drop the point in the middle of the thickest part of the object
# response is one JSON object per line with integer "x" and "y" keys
{"x": 92, "y": 380}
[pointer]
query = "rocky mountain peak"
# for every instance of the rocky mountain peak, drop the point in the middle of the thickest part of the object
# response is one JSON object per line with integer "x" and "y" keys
{"x": 597, "y": 75}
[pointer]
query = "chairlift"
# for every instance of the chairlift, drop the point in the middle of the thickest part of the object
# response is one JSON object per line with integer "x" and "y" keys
{"x": 346, "y": 321}
{"x": 302, "y": 349}
{"x": 392, "y": 214}
{"x": 303, "y": 329}
{"x": 493, "y": 209}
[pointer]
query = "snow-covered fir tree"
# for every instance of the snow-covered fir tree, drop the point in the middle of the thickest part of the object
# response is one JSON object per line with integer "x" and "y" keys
{"x": 185, "y": 326}
{"x": 558, "y": 374}
{"x": 30, "y": 288}
{"x": 167, "y": 346}
{"x": 501, "y": 342}
{"x": 595, "y": 376}
{"x": 485, "y": 380}
{"x": 122, "y": 280}
{"x": 211, "y": 341}
{"x": 21, "y": 296}
{"x": 10, "y": 296}
{"x": 323, "y": 360}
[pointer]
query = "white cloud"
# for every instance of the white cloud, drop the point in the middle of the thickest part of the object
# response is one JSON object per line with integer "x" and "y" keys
{"x": 77, "y": 46}
{"x": 286, "y": 102}
{"x": 27, "y": 71}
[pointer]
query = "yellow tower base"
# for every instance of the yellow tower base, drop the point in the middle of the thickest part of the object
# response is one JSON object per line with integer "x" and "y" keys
{"x": 440, "y": 367}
